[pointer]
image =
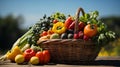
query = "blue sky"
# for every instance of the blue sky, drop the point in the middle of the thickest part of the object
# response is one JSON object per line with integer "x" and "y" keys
{"x": 32, "y": 10}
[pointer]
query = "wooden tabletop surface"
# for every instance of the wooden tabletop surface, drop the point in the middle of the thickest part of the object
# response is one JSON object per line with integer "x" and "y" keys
{"x": 99, "y": 62}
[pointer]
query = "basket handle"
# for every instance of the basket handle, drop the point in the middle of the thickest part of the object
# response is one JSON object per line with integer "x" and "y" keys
{"x": 77, "y": 19}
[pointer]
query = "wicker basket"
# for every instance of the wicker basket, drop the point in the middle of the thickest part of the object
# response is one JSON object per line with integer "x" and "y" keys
{"x": 71, "y": 50}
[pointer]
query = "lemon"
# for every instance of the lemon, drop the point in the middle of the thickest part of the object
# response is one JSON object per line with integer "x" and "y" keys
{"x": 19, "y": 59}
{"x": 34, "y": 60}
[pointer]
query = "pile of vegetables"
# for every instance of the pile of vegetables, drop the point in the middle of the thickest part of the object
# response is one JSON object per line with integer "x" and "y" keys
{"x": 58, "y": 26}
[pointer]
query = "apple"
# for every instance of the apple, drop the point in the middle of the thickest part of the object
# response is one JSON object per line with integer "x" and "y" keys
{"x": 55, "y": 36}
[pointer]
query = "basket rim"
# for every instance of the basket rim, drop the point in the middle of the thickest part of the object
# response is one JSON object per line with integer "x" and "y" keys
{"x": 66, "y": 40}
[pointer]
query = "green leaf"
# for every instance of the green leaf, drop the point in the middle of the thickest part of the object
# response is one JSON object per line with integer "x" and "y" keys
{"x": 102, "y": 39}
{"x": 110, "y": 35}
{"x": 94, "y": 14}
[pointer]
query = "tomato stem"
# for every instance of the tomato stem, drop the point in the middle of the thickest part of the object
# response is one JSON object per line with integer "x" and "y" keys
{"x": 41, "y": 49}
{"x": 92, "y": 26}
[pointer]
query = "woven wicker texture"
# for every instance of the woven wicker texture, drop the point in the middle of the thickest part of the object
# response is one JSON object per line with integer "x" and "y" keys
{"x": 71, "y": 50}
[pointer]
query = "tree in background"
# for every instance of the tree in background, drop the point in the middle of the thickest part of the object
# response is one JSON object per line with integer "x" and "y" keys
{"x": 10, "y": 31}
{"x": 113, "y": 49}
{"x": 113, "y": 23}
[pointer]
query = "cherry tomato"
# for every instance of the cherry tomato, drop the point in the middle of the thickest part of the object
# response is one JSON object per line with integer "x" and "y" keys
{"x": 55, "y": 21}
{"x": 81, "y": 34}
{"x": 90, "y": 30}
{"x": 86, "y": 38}
{"x": 28, "y": 53}
{"x": 44, "y": 56}
{"x": 76, "y": 36}
{"x": 68, "y": 22}
{"x": 50, "y": 32}
{"x": 44, "y": 33}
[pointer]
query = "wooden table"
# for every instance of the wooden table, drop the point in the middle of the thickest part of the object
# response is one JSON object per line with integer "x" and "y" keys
{"x": 99, "y": 62}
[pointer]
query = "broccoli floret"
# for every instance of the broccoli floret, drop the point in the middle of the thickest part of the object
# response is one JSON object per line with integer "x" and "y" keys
{"x": 32, "y": 35}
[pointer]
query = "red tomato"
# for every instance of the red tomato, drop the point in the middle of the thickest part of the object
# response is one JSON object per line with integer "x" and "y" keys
{"x": 44, "y": 56}
{"x": 81, "y": 25}
{"x": 90, "y": 30}
{"x": 39, "y": 54}
{"x": 81, "y": 34}
{"x": 44, "y": 33}
{"x": 76, "y": 36}
{"x": 50, "y": 32}
{"x": 68, "y": 22}
{"x": 55, "y": 21}
{"x": 86, "y": 38}
{"x": 28, "y": 53}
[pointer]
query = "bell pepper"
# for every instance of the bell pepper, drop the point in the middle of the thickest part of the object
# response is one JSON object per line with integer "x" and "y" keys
{"x": 72, "y": 25}
{"x": 12, "y": 54}
{"x": 28, "y": 53}
{"x": 68, "y": 22}
{"x": 59, "y": 28}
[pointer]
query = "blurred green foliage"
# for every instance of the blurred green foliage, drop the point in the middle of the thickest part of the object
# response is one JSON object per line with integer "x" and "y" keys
{"x": 10, "y": 30}
{"x": 113, "y": 48}
{"x": 113, "y": 23}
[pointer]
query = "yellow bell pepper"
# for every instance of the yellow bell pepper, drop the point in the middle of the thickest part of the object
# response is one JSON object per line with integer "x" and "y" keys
{"x": 12, "y": 54}
{"x": 59, "y": 28}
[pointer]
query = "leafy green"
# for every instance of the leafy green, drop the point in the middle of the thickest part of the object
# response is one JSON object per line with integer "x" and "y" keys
{"x": 58, "y": 16}
{"x": 101, "y": 27}
{"x": 90, "y": 18}
{"x": 104, "y": 36}
{"x": 32, "y": 35}
{"x": 110, "y": 35}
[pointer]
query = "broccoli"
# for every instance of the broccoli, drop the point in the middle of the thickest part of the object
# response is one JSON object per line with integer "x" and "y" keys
{"x": 32, "y": 35}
